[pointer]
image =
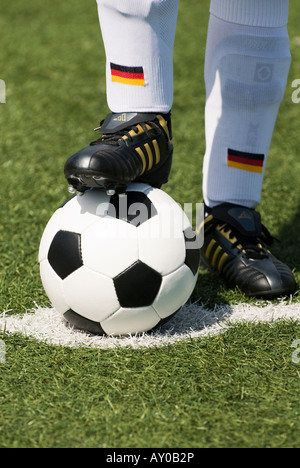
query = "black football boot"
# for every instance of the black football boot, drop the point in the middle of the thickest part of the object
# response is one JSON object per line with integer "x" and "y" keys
{"x": 234, "y": 246}
{"x": 132, "y": 147}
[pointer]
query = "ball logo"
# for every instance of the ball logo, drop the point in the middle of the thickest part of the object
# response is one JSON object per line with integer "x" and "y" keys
{"x": 2, "y": 92}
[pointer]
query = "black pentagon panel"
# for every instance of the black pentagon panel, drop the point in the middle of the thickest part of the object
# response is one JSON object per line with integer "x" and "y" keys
{"x": 65, "y": 253}
{"x": 133, "y": 207}
{"x": 192, "y": 250}
{"x": 137, "y": 286}
{"x": 82, "y": 323}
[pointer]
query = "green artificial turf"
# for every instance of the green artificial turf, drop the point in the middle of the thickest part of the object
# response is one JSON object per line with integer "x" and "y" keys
{"x": 239, "y": 389}
{"x": 235, "y": 390}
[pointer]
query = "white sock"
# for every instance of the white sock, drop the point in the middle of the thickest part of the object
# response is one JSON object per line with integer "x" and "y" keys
{"x": 139, "y": 38}
{"x": 246, "y": 70}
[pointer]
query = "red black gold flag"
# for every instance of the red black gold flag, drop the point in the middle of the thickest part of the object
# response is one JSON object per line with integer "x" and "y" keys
{"x": 127, "y": 75}
{"x": 246, "y": 161}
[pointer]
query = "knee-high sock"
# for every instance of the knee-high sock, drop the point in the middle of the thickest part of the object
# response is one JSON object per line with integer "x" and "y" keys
{"x": 139, "y": 38}
{"x": 246, "y": 70}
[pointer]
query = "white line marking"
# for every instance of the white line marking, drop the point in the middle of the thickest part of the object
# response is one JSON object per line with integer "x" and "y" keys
{"x": 193, "y": 321}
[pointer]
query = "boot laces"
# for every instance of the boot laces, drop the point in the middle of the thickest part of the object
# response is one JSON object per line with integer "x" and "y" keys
{"x": 114, "y": 138}
{"x": 251, "y": 246}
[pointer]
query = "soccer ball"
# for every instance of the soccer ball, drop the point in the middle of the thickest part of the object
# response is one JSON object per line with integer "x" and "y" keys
{"x": 121, "y": 264}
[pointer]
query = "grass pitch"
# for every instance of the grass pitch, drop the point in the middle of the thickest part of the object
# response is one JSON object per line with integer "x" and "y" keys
{"x": 239, "y": 389}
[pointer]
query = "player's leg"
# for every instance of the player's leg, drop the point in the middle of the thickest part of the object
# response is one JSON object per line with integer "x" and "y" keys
{"x": 136, "y": 141}
{"x": 247, "y": 65}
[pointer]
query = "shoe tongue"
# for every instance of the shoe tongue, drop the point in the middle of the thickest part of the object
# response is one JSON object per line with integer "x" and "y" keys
{"x": 245, "y": 220}
{"x": 113, "y": 123}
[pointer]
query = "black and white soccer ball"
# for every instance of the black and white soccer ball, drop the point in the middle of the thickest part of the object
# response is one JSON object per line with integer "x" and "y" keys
{"x": 117, "y": 265}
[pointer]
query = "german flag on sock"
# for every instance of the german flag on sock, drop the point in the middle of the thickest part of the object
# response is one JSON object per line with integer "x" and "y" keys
{"x": 246, "y": 161}
{"x": 127, "y": 75}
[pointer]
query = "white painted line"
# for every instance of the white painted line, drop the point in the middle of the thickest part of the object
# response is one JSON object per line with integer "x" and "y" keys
{"x": 193, "y": 321}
